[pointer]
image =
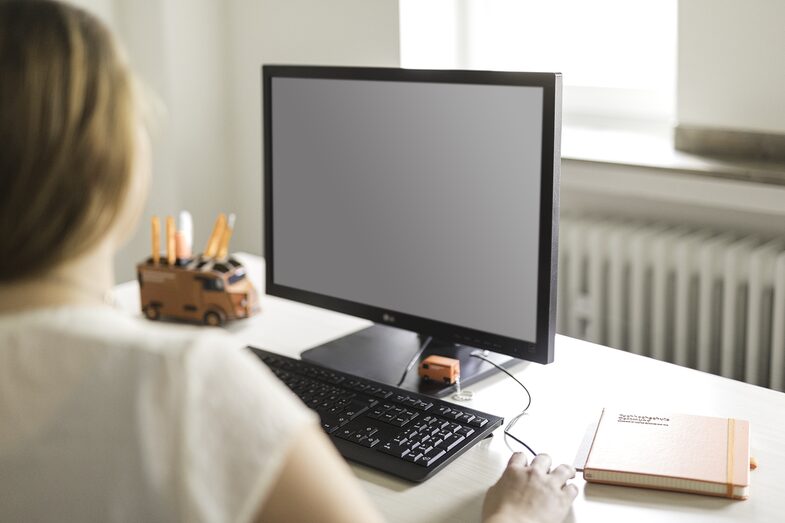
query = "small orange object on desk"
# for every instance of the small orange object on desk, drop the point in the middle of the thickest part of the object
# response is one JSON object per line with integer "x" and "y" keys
{"x": 440, "y": 368}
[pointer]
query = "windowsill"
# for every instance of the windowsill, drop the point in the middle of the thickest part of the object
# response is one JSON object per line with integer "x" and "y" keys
{"x": 653, "y": 148}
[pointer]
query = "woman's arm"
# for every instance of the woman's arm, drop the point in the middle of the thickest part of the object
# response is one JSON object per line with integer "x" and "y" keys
{"x": 315, "y": 484}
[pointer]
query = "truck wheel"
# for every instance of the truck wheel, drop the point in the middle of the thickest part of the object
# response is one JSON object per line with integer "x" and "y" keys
{"x": 152, "y": 312}
{"x": 213, "y": 319}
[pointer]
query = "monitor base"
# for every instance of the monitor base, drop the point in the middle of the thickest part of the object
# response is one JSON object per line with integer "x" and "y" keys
{"x": 381, "y": 353}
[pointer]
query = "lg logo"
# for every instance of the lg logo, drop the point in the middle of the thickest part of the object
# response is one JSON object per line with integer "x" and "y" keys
{"x": 389, "y": 318}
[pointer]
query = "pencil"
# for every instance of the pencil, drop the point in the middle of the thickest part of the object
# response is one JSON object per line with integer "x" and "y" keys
{"x": 156, "y": 223}
{"x": 170, "y": 248}
{"x": 215, "y": 238}
{"x": 223, "y": 250}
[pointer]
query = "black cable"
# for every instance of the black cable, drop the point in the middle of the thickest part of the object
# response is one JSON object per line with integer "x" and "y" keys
{"x": 514, "y": 420}
{"x": 414, "y": 359}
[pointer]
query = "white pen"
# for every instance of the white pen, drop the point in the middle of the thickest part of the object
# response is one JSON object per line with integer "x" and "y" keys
{"x": 185, "y": 235}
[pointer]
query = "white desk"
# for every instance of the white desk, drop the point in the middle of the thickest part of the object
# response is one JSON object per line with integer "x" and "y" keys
{"x": 567, "y": 396}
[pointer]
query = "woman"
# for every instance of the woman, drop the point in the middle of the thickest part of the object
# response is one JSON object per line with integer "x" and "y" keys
{"x": 105, "y": 417}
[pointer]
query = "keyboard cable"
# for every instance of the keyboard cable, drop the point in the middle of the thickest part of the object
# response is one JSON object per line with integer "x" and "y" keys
{"x": 514, "y": 420}
{"x": 414, "y": 359}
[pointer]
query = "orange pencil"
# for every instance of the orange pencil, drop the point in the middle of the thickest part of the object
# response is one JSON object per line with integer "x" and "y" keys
{"x": 223, "y": 250}
{"x": 170, "y": 247}
{"x": 215, "y": 238}
{"x": 156, "y": 240}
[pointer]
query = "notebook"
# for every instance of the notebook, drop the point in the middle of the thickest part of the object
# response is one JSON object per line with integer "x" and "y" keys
{"x": 679, "y": 452}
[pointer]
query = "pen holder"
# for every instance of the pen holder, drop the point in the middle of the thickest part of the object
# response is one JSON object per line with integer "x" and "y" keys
{"x": 198, "y": 290}
{"x": 211, "y": 288}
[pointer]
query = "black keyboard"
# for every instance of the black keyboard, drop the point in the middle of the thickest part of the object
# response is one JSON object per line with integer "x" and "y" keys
{"x": 403, "y": 433}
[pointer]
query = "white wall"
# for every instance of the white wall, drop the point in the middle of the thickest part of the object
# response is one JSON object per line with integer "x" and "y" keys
{"x": 178, "y": 49}
{"x": 202, "y": 58}
{"x": 731, "y": 69}
{"x": 318, "y": 32}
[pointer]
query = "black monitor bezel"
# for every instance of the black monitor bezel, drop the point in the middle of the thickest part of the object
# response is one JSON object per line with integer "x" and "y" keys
{"x": 541, "y": 350}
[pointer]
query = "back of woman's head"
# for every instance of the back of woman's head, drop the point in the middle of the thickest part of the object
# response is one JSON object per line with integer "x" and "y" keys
{"x": 67, "y": 131}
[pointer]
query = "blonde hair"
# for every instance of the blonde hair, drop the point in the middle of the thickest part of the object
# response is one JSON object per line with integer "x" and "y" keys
{"x": 67, "y": 134}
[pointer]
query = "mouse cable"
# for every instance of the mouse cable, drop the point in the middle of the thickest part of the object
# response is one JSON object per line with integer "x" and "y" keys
{"x": 514, "y": 420}
{"x": 414, "y": 360}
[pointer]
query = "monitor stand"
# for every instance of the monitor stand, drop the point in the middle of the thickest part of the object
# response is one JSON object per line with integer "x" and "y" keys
{"x": 381, "y": 353}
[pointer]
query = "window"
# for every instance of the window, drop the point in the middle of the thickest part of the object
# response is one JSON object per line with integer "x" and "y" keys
{"x": 239, "y": 275}
{"x": 618, "y": 58}
{"x": 211, "y": 284}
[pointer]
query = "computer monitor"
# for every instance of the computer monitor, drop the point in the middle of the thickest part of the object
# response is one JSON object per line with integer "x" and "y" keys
{"x": 425, "y": 201}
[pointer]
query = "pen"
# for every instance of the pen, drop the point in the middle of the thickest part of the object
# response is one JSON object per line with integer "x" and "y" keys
{"x": 184, "y": 236}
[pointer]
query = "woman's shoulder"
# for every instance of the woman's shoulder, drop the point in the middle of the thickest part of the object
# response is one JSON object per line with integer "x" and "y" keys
{"x": 107, "y": 332}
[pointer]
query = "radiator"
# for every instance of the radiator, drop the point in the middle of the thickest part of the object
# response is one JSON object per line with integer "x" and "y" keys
{"x": 695, "y": 297}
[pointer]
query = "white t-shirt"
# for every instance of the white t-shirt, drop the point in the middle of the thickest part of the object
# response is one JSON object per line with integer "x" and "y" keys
{"x": 104, "y": 417}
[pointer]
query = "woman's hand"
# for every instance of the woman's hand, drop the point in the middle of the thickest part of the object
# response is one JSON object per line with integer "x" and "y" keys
{"x": 530, "y": 493}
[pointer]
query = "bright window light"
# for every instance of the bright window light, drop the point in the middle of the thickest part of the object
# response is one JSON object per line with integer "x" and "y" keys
{"x": 617, "y": 57}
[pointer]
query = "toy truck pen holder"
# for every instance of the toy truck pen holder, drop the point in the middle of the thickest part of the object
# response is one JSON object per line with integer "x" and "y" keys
{"x": 211, "y": 288}
{"x": 208, "y": 291}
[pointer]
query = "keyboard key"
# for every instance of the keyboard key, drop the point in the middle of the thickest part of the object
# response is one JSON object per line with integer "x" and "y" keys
{"x": 452, "y": 427}
{"x": 331, "y": 423}
{"x": 376, "y": 413}
{"x": 466, "y": 418}
{"x": 412, "y": 434}
{"x": 450, "y": 442}
{"x": 393, "y": 449}
{"x": 363, "y": 402}
{"x": 478, "y": 422}
{"x": 425, "y": 448}
{"x": 329, "y": 427}
{"x": 398, "y": 422}
{"x": 370, "y": 442}
{"x": 413, "y": 456}
{"x": 443, "y": 410}
{"x": 411, "y": 402}
{"x": 345, "y": 433}
{"x": 400, "y": 440}
{"x": 465, "y": 432}
{"x": 430, "y": 457}
{"x": 357, "y": 437}
{"x": 369, "y": 430}
{"x": 354, "y": 409}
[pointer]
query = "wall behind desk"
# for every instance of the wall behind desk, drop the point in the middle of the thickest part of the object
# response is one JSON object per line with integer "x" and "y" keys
{"x": 202, "y": 60}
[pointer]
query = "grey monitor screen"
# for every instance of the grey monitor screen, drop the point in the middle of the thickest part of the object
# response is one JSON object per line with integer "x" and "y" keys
{"x": 415, "y": 197}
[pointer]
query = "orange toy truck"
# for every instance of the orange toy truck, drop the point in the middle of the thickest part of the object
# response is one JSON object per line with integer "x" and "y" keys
{"x": 440, "y": 368}
{"x": 211, "y": 288}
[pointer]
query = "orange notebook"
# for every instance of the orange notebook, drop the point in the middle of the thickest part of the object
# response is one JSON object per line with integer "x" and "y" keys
{"x": 678, "y": 452}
